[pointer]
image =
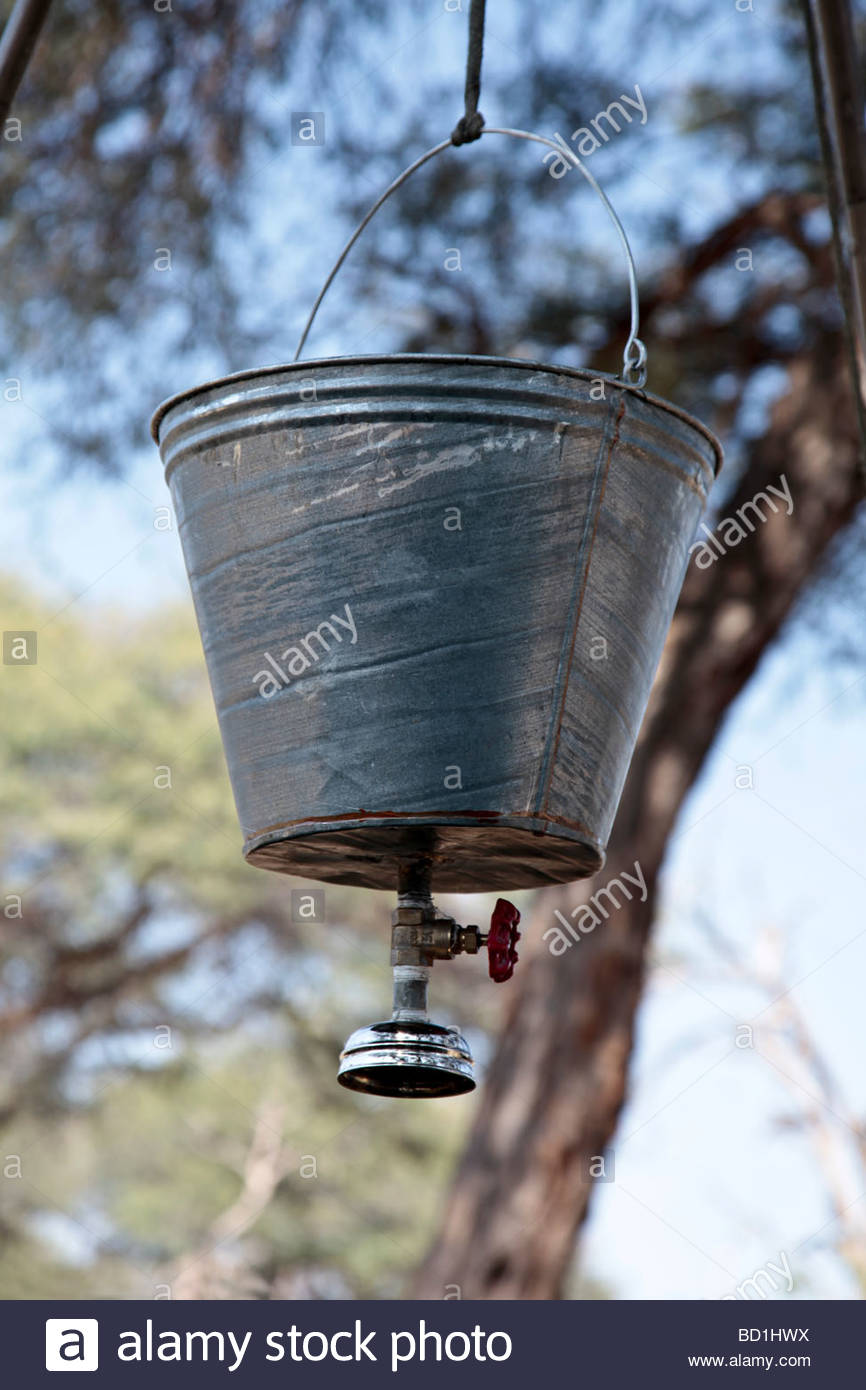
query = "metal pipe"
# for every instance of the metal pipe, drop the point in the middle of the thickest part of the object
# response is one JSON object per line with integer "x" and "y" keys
{"x": 410, "y": 991}
{"x": 839, "y": 110}
{"x": 413, "y": 882}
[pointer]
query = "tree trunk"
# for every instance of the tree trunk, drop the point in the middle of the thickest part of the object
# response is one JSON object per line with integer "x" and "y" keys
{"x": 557, "y": 1083}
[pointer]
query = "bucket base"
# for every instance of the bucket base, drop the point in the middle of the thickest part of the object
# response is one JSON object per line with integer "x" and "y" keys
{"x": 507, "y": 854}
{"x": 407, "y": 1058}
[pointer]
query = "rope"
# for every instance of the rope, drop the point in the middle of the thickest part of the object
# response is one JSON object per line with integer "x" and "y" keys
{"x": 16, "y": 48}
{"x": 471, "y": 123}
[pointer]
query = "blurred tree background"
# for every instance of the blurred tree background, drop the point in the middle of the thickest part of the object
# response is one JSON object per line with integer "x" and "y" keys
{"x": 167, "y": 1027}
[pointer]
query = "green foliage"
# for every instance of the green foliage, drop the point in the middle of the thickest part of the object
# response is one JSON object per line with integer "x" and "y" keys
{"x": 156, "y": 1001}
{"x": 113, "y": 727}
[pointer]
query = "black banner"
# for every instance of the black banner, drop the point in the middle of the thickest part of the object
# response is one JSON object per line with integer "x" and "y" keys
{"x": 428, "y": 1344}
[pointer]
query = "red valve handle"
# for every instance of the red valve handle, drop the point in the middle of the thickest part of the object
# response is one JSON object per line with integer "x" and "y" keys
{"x": 501, "y": 940}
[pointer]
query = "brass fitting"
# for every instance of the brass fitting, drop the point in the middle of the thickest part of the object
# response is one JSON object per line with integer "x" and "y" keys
{"x": 421, "y": 934}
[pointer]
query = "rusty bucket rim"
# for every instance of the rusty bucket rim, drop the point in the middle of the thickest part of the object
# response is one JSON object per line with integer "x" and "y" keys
{"x": 439, "y": 359}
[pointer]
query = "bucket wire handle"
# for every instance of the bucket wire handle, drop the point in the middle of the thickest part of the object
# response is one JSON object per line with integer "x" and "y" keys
{"x": 634, "y": 358}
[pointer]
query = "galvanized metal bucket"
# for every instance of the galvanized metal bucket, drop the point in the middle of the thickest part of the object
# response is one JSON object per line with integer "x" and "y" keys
{"x": 432, "y": 593}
